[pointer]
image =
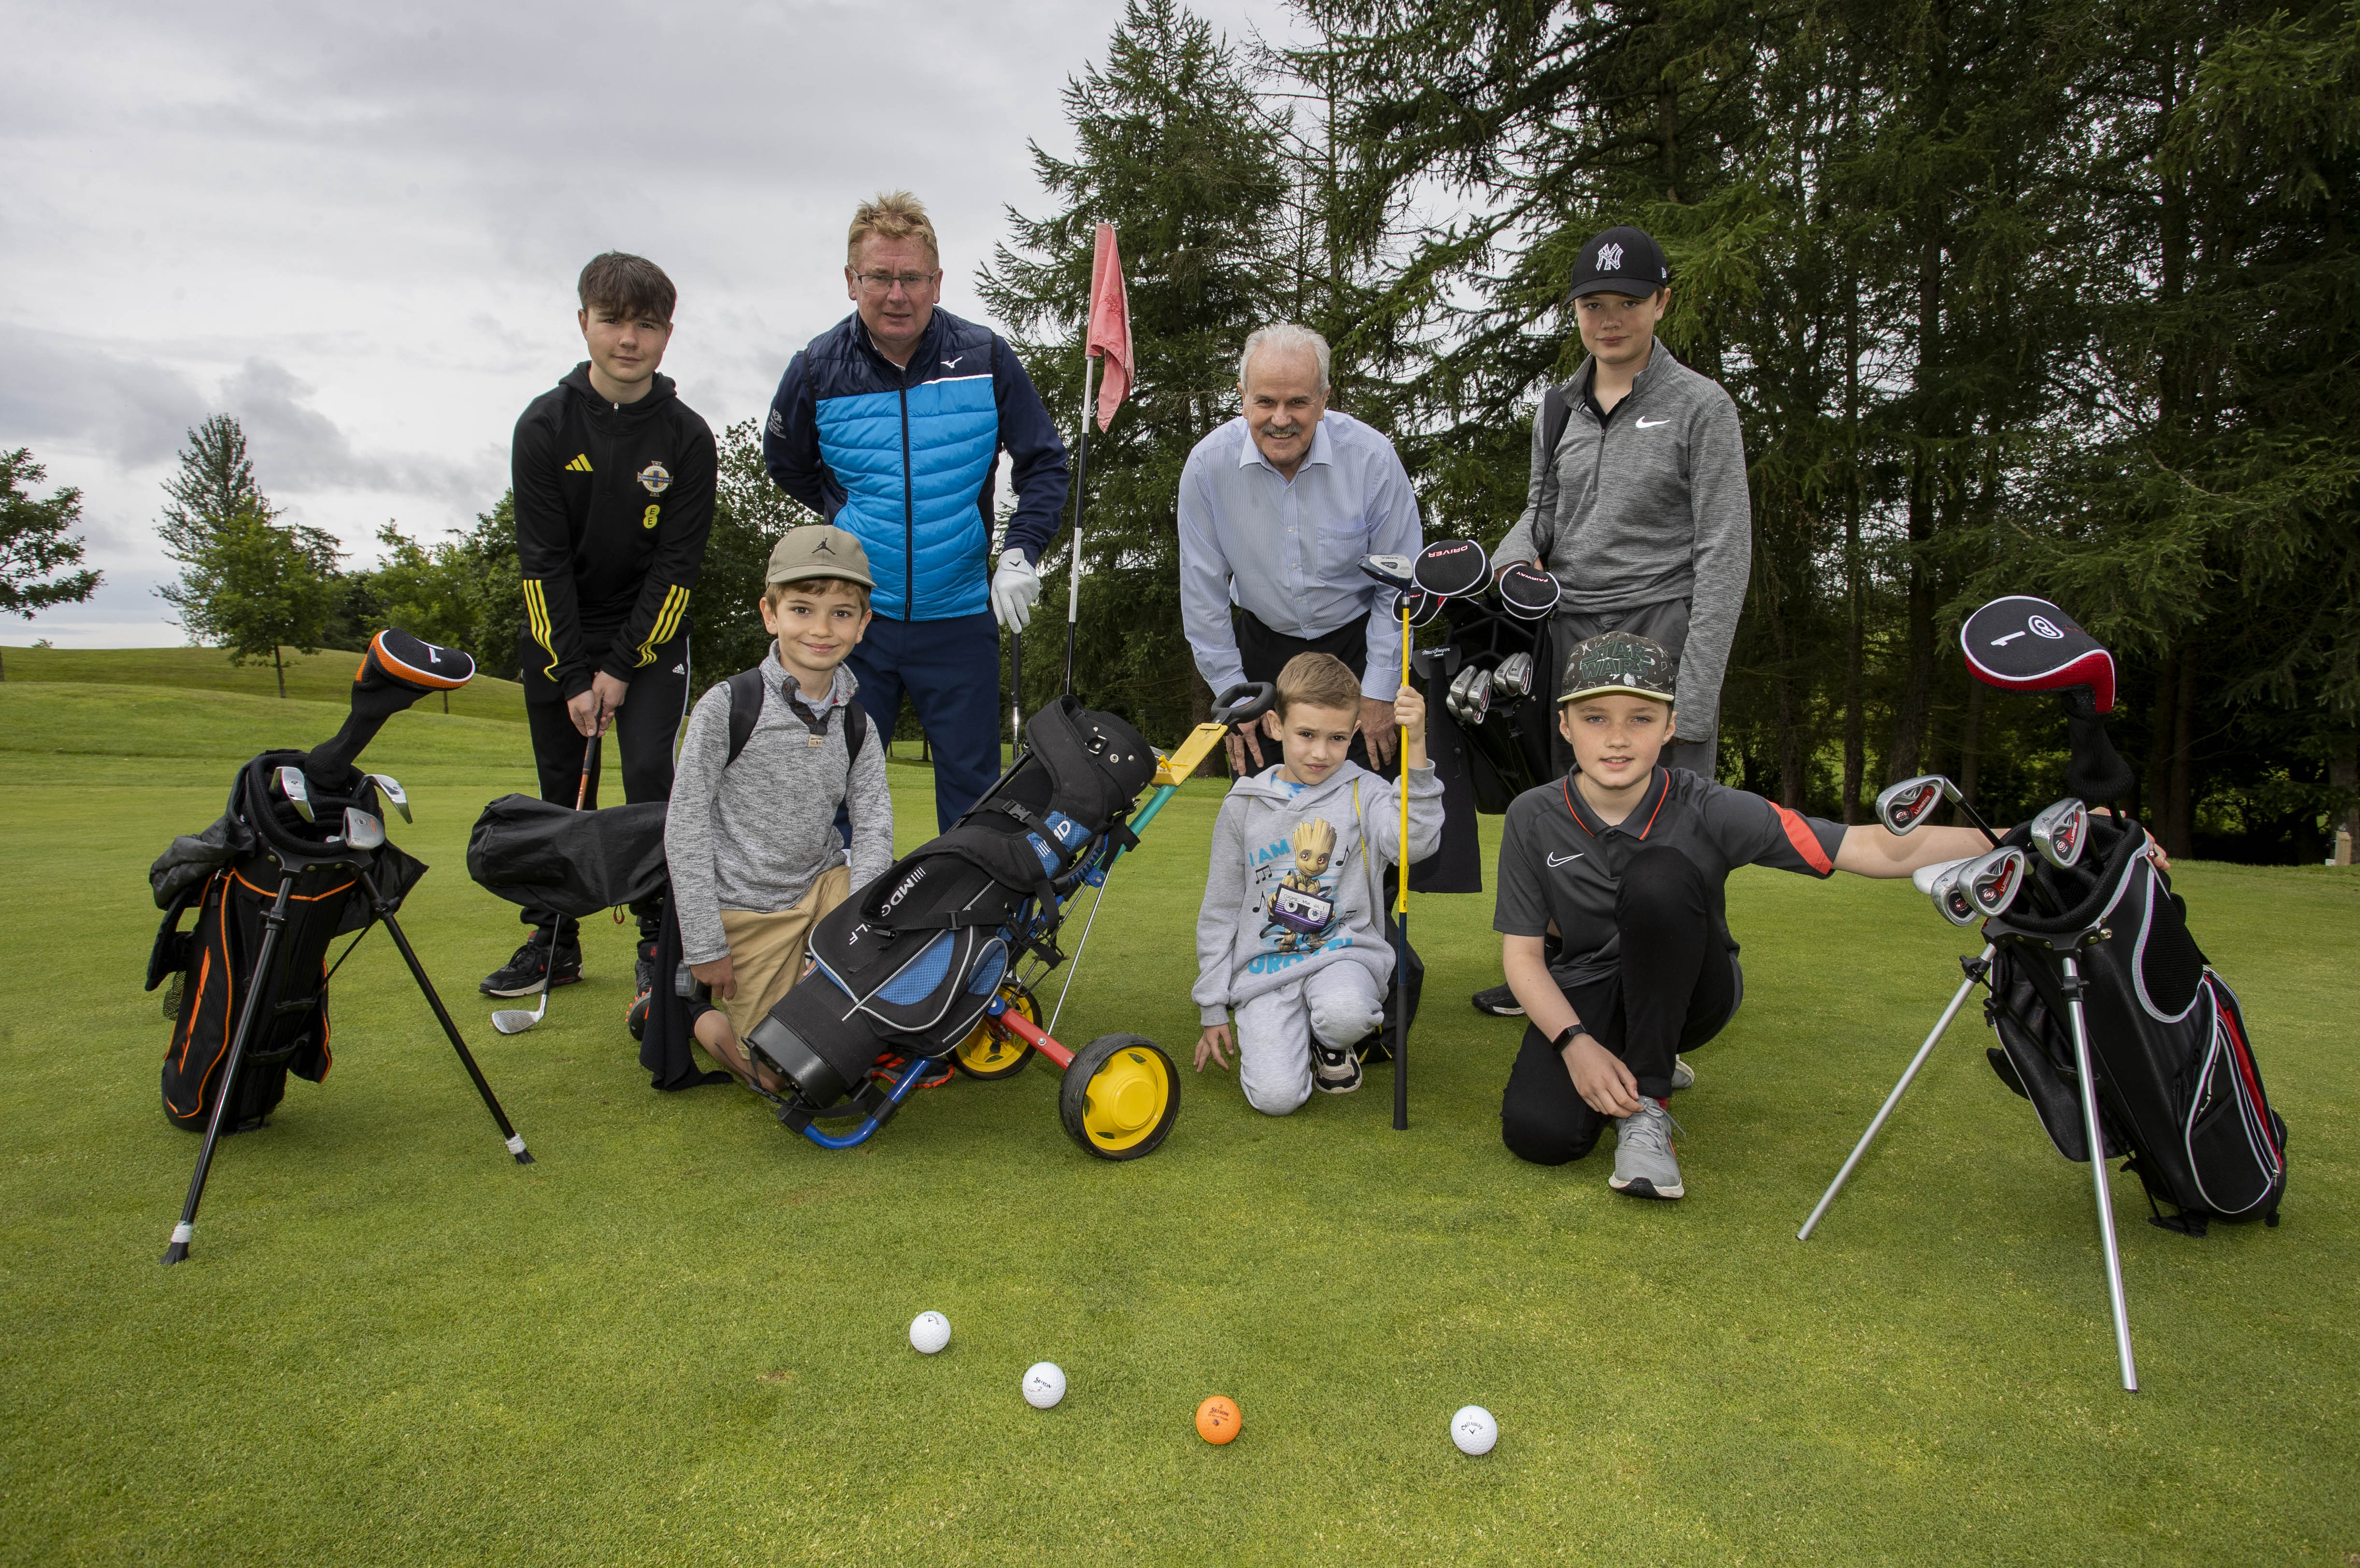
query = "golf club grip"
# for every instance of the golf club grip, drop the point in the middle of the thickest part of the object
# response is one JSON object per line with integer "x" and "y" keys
{"x": 589, "y": 755}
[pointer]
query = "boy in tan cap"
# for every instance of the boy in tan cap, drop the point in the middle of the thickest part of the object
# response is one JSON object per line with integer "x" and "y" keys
{"x": 770, "y": 756}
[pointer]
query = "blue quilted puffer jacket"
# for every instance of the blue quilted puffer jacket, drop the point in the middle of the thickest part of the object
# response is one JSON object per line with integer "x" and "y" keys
{"x": 906, "y": 459}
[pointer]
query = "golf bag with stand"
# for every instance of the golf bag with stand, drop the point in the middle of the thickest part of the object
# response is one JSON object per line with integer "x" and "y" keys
{"x": 2109, "y": 1019}
{"x": 912, "y": 962}
{"x": 299, "y": 858}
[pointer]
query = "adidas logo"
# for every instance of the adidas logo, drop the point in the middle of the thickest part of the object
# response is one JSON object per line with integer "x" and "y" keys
{"x": 580, "y": 464}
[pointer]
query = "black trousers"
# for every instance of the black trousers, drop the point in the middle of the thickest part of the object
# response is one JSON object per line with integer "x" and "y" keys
{"x": 641, "y": 740}
{"x": 1678, "y": 987}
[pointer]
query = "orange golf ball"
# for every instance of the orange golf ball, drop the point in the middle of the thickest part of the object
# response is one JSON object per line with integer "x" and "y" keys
{"x": 1217, "y": 1419}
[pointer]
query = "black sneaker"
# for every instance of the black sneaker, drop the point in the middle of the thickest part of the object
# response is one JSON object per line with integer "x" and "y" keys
{"x": 1335, "y": 1069}
{"x": 1500, "y": 1001}
{"x": 528, "y": 974}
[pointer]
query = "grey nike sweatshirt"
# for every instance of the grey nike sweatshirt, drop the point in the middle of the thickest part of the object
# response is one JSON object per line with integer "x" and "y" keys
{"x": 1312, "y": 846}
{"x": 1649, "y": 506}
{"x": 757, "y": 832}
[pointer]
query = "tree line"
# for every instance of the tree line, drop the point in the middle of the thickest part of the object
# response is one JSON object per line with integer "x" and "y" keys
{"x": 2013, "y": 296}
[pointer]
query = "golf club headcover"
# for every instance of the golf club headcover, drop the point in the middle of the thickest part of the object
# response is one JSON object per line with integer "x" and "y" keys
{"x": 2094, "y": 768}
{"x": 1527, "y": 592}
{"x": 396, "y": 671}
{"x": 2022, "y": 644}
{"x": 1449, "y": 568}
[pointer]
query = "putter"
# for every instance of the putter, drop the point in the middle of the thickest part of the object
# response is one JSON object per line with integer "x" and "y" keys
{"x": 515, "y": 1020}
{"x": 291, "y": 784}
{"x": 2057, "y": 832}
{"x": 1992, "y": 881}
{"x": 394, "y": 794}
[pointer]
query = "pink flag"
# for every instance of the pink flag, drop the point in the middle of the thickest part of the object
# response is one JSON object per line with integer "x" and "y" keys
{"x": 1109, "y": 331}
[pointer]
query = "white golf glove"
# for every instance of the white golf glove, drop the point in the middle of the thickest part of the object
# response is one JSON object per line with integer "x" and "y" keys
{"x": 1015, "y": 589}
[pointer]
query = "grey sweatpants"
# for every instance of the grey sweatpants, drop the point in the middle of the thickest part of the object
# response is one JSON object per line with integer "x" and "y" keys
{"x": 1665, "y": 622}
{"x": 1338, "y": 1004}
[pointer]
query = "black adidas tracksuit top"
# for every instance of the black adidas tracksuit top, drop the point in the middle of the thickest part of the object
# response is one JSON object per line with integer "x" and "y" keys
{"x": 613, "y": 505}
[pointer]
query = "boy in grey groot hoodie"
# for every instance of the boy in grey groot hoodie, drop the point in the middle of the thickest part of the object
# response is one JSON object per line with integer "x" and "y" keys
{"x": 1289, "y": 933}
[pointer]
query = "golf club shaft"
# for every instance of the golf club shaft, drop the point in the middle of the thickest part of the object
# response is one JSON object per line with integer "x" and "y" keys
{"x": 2095, "y": 1133}
{"x": 1941, "y": 1027}
{"x": 274, "y": 918}
{"x": 1401, "y": 902}
{"x": 1016, "y": 692}
{"x": 1081, "y": 476}
{"x": 589, "y": 757}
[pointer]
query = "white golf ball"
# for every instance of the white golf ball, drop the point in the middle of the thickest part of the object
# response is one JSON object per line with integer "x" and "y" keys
{"x": 1473, "y": 1430}
{"x": 1045, "y": 1385}
{"x": 928, "y": 1331}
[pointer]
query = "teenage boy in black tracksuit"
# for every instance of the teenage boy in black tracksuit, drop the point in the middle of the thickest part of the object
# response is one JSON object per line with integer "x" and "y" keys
{"x": 1625, "y": 863}
{"x": 613, "y": 497}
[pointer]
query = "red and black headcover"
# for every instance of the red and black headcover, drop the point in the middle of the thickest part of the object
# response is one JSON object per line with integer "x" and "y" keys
{"x": 2023, "y": 643}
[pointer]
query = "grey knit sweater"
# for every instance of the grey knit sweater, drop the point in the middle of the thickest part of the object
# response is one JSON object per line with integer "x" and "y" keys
{"x": 1650, "y": 506}
{"x": 757, "y": 832}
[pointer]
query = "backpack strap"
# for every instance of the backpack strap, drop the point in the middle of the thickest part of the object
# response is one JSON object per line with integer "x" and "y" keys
{"x": 746, "y": 698}
{"x": 1556, "y": 410}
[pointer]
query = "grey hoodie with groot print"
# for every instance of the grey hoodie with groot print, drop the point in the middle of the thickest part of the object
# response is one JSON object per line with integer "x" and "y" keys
{"x": 1258, "y": 841}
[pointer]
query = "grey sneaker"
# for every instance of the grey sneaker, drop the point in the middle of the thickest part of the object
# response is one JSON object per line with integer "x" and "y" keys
{"x": 1644, "y": 1163}
{"x": 1335, "y": 1069}
{"x": 1683, "y": 1076}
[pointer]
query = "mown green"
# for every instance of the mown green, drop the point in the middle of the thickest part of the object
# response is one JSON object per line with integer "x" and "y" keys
{"x": 679, "y": 1337}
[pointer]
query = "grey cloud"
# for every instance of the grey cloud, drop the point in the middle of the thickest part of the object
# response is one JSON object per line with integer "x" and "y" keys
{"x": 135, "y": 409}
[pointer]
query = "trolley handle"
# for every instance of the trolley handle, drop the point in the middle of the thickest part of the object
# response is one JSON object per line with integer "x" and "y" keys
{"x": 1244, "y": 703}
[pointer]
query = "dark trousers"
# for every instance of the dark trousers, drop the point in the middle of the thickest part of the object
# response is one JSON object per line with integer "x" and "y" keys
{"x": 641, "y": 741}
{"x": 1665, "y": 622}
{"x": 951, "y": 671}
{"x": 1678, "y": 987}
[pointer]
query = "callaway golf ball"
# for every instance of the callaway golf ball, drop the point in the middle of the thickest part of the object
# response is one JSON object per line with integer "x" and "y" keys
{"x": 1045, "y": 1385}
{"x": 928, "y": 1331}
{"x": 1473, "y": 1430}
{"x": 1217, "y": 1419}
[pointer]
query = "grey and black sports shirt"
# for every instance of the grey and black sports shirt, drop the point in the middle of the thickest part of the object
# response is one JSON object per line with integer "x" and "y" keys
{"x": 1559, "y": 863}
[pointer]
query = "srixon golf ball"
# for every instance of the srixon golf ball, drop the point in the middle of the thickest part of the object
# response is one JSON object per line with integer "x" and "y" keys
{"x": 1473, "y": 1430}
{"x": 1045, "y": 1385}
{"x": 928, "y": 1331}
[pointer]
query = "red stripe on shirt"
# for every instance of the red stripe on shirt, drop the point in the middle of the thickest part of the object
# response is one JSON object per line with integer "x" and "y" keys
{"x": 1806, "y": 842}
{"x": 1567, "y": 786}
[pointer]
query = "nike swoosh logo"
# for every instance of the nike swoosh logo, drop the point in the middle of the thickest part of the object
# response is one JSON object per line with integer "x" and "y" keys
{"x": 1563, "y": 859}
{"x": 1651, "y": 424}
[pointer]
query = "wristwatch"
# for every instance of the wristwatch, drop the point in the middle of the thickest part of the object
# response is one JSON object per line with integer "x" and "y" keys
{"x": 1568, "y": 1034}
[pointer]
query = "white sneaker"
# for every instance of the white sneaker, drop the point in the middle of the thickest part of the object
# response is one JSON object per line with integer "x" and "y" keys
{"x": 1683, "y": 1076}
{"x": 1335, "y": 1069}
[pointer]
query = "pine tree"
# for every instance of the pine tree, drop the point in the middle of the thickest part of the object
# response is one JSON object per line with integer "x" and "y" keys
{"x": 1174, "y": 149}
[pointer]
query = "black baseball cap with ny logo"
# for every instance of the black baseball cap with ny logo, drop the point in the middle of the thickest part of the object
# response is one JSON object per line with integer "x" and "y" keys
{"x": 1620, "y": 261}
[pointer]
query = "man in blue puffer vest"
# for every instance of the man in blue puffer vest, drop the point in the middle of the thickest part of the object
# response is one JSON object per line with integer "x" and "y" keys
{"x": 891, "y": 425}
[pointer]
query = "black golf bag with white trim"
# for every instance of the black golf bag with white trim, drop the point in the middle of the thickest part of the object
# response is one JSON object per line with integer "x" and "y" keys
{"x": 2179, "y": 1089}
{"x": 909, "y": 962}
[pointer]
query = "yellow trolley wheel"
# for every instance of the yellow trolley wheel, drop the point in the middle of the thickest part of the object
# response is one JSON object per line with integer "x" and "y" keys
{"x": 1120, "y": 1096}
{"x": 992, "y": 1052}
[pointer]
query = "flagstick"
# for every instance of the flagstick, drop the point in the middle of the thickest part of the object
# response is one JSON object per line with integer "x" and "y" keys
{"x": 1081, "y": 474}
{"x": 1401, "y": 910}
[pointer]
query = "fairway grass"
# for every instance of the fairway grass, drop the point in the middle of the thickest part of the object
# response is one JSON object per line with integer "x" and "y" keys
{"x": 679, "y": 1337}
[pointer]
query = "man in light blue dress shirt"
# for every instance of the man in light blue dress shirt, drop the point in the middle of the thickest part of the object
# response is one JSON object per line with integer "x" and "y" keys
{"x": 1277, "y": 506}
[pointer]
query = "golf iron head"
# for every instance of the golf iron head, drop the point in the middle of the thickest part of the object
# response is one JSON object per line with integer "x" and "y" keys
{"x": 515, "y": 1020}
{"x": 1901, "y": 807}
{"x": 297, "y": 790}
{"x": 1950, "y": 898}
{"x": 1990, "y": 882}
{"x": 394, "y": 794}
{"x": 1514, "y": 677}
{"x": 1460, "y": 698}
{"x": 363, "y": 830}
{"x": 2057, "y": 832}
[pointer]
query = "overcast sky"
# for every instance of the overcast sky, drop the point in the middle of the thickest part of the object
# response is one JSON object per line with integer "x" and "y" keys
{"x": 357, "y": 228}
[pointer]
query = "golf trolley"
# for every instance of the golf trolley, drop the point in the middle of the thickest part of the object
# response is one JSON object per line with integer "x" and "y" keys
{"x": 298, "y": 859}
{"x": 2108, "y": 1018}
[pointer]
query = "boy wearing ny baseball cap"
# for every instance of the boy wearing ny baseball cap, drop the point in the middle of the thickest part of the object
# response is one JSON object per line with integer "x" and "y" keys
{"x": 750, "y": 836}
{"x": 1613, "y": 921}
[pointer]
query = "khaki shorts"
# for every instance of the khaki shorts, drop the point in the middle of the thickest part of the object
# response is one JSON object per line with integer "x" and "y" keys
{"x": 766, "y": 951}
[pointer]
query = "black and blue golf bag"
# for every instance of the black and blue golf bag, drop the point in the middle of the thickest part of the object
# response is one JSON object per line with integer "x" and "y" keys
{"x": 2179, "y": 1089}
{"x": 911, "y": 960}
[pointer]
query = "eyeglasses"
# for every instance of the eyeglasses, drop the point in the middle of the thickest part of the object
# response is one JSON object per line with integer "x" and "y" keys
{"x": 882, "y": 282}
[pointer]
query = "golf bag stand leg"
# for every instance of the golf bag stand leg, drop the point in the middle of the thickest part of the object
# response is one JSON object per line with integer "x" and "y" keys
{"x": 1976, "y": 969}
{"x": 2073, "y": 988}
{"x": 441, "y": 1016}
{"x": 273, "y": 919}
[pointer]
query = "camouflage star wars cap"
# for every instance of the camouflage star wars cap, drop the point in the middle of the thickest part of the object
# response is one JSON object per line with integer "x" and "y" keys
{"x": 818, "y": 550}
{"x": 1617, "y": 661}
